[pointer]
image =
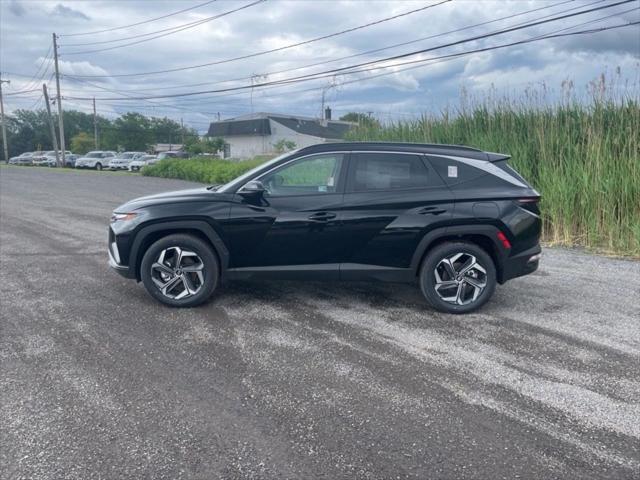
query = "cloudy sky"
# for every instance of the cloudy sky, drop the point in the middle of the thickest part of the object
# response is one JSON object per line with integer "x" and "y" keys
{"x": 101, "y": 60}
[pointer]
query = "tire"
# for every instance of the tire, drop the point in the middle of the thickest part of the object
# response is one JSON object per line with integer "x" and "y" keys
{"x": 159, "y": 268}
{"x": 98, "y": 166}
{"x": 457, "y": 291}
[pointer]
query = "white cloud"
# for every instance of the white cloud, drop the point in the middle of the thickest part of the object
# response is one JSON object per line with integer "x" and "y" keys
{"x": 275, "y": 24}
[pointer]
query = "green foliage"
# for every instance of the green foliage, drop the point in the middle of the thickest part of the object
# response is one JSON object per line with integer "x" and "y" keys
{"x": 283, "y": 145}
{"x": 29, "y": 130}
{"x": 583, "y": 159}
{"x": 196, "y": 145}
{"x": 82, "y": 143}
{"x": 211, "y": 171}
{"x": 361, "y": 119}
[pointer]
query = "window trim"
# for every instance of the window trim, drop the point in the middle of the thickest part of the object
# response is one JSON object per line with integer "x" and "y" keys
{"x": 352, "y": 165}
{"x": 341, "y": 175}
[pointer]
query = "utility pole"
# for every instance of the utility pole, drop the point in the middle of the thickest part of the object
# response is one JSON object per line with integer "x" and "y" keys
{"x": 95, "y": 124}
{"x": 182, "y": 131}
{"x": 59, "y": 98}
{"x": 4, "y": 126}
{"x": 54, "y": 139}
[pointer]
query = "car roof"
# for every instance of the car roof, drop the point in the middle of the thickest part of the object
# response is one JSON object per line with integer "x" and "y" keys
{"x": 425, "y": 148}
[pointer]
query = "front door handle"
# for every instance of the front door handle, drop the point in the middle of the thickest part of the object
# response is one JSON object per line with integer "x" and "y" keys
{"x": 431, "y": 211}
{"x": 322, "y": 216}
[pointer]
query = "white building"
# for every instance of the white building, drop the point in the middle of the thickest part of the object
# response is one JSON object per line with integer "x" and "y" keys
{"x": 259, "y": 133}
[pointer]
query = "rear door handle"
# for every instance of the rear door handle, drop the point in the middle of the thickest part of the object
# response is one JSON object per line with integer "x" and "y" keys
{"x": 322, "y": 216}
{"x": 431, "y": 211}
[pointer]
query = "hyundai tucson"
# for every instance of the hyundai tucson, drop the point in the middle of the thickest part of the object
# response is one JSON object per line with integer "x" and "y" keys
{"x": 455, "y": 220}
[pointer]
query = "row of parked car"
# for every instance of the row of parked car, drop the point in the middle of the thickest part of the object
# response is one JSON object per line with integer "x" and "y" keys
{"x": 98, "y": 159}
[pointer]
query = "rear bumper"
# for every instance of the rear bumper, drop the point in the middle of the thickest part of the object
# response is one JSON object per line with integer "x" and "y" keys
{"x": 521, "y": 264}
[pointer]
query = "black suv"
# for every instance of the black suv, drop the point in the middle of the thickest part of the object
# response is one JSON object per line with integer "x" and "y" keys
{"x": 455, "y": 219}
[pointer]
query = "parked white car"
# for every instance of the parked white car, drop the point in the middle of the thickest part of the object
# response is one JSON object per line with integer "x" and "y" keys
{"x": 47, "y": 158}
{"x": 142, "y": 161}
{"x": 97, "y": 159}
{"x": 122, "y": 160}
{"x": 40, "y": 160}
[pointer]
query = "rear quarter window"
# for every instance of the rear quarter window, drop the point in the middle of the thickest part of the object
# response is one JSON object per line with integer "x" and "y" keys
{"x": 453, "y": 172}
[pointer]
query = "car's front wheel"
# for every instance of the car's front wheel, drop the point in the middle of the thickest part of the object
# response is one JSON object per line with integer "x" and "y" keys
{"x": 457, "y": 277}
{"x": 180, "y": 270}
{"x": 98, "y": 166}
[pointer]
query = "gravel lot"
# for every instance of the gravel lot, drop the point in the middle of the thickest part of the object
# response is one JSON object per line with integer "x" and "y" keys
{"x": 299, "y": 380}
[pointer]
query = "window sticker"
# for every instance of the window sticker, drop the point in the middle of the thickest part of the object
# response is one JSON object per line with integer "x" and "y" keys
{"x": 453, "y": 171}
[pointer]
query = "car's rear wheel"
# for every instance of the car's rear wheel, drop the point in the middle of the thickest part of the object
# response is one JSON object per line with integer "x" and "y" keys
{"x": 457, "y": 277}
{"x": 98, "y": 166}
{"x": 180, "y": 270}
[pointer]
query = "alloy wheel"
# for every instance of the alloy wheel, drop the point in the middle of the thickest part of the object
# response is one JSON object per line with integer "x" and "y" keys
{"x": 460, "y": 279}
{"x": 178, "y": 273}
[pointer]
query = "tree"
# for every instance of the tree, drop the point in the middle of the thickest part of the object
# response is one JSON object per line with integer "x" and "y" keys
{"x": 284, "y": 145}
{"x": 82, "y": 143}
{"x": 133, "y": 132}
{"x": 196, "y": 145}
{"x": 361, "y": 119}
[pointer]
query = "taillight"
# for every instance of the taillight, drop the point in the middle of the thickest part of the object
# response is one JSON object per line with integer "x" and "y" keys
{"x": 530, "y": 204}
{"x": 504, "y": 240}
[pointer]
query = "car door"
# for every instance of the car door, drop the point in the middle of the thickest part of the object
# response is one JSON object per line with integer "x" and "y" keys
{"x": 296, "y": 221}
{"x": 391, "y": 201}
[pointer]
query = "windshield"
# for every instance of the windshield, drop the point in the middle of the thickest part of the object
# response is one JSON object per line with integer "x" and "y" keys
{"x": 236, "y": 182}
{"x": 126, "y": 156}
{"x": 94, "y": 155}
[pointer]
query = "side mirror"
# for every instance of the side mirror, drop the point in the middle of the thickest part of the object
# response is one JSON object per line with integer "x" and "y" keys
{"x": 252, "y": 189}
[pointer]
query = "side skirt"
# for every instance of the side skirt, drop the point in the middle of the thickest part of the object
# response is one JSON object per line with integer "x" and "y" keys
{"x": 329, "y": 271}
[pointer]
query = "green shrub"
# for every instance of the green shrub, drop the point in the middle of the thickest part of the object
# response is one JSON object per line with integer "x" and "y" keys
{"x": 211, "y": 171}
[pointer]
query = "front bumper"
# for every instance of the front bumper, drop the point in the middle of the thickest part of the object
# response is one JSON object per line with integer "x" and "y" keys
{"x": 114, "y": 262}
{"x": 521, "y": 264}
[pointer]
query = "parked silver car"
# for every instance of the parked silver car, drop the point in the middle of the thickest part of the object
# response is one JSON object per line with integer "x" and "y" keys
{"x": 51, "y": 158}
{"x": 97, "y": 159}
{"x": 22, "y": 159}
{"x": 122, "y": 160}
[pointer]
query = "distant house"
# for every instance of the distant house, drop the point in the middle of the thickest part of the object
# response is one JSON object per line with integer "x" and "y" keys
{"x": 259, "y": 133}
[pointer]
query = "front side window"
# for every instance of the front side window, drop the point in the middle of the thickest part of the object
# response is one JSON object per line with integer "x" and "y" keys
{"x": 387, "y": 171}
{"x": 313, "y": 175}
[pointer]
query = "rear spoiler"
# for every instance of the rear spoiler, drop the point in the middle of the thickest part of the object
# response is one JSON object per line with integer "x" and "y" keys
{"x": 497, "y": 157}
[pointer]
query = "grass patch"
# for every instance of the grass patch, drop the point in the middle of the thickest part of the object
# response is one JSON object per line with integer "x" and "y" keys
{"x": 211, "y": 171}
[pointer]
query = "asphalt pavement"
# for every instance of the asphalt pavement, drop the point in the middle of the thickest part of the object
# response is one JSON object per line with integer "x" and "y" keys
{"x": 299, "y": 380}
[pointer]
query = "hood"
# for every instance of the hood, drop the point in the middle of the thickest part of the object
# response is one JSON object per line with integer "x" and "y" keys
{"x": 201, "y": 194}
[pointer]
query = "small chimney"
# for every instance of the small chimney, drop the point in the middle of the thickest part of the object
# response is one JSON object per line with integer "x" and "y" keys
{"x": 327, "y": 113}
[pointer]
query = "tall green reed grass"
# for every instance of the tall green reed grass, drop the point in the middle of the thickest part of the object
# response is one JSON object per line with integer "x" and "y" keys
{"x": 582, "y": 156}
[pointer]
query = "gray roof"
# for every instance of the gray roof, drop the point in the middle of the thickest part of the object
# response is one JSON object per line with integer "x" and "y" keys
{"x": 258, "y": 126}
{"x": 261, "y": 126}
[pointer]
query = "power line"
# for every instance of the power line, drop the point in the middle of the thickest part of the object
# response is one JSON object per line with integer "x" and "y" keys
{"x": 139, "y": 23}
{"x": 179, "y": 29}
{"x": 285, "y": 47}
{"x": 173, "y": 87}
{"x": 423, "y": 64}
{"x": 345, "y": 70}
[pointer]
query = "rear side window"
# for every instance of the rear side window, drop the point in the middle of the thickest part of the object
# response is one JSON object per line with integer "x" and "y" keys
{"x": 387, "y": 171}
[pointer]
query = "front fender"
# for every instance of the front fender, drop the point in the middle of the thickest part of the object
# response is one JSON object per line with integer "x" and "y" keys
{"x": 147, "y": 234}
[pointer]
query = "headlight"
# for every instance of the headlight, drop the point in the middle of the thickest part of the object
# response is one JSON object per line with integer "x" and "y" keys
{"x": 122, "y": 217}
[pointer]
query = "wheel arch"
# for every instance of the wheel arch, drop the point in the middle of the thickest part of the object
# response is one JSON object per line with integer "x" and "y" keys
{"x": 147, "y": 235}
{"x": 484, "y": 236}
